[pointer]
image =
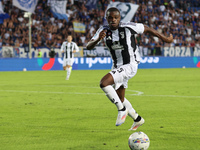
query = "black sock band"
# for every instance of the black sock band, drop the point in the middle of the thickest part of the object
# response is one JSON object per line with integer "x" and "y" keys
{"x": 123, "y": 109}
{"x": 138, "y": 119}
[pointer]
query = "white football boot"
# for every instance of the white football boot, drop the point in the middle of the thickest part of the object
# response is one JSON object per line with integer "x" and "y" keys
{"x": 137, "y": 124}
{"x": 121, "y": 117}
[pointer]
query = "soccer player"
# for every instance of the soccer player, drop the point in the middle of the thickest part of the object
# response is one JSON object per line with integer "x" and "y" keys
{"x": 120, "y": 40}
{"x": 68, "y": 48}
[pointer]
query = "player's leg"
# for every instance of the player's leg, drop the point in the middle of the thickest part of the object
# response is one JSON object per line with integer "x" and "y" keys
{"x": 138, "y": 120}
{"x": 121, "y": 93}
{"x": 131, "y": 111}
{"x": 64, "y": 64}
{"x": 69, "y": 68}
{"x": 106, "y": 85}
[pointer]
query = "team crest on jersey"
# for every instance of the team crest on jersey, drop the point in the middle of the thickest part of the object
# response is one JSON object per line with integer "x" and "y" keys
{"x": 122, "y": 35}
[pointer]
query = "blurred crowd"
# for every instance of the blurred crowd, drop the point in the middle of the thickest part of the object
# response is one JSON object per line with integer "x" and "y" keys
{"x": 167, "y": 16}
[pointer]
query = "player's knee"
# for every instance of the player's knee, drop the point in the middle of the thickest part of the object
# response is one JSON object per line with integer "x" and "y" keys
{"x": 102, "y": 84}
{"x": 106, "y": 80}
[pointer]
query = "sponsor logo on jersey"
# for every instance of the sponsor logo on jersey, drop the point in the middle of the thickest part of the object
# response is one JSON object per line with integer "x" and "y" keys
{"x": 116, "y": 46}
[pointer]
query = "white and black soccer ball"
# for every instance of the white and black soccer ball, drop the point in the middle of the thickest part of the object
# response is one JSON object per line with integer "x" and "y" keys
{"x": 138, "y": 141}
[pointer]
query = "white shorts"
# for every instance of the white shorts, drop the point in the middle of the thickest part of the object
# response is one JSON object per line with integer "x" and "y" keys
{"x": 122, "y": 74}
{"x": 68, "y": 62}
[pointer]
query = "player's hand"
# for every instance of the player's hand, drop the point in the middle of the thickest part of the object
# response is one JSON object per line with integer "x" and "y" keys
{"x": 169, "y": 39}
{"x": 102, "y": 34}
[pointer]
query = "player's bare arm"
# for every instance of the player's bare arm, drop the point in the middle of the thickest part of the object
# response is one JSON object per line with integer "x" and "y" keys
{"x": 92, "y": 43}
{"x": 159, "y": 35}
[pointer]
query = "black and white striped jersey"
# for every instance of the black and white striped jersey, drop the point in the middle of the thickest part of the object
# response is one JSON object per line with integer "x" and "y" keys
{"x": 121, "y": 42}
{"x": 68, "y": 49}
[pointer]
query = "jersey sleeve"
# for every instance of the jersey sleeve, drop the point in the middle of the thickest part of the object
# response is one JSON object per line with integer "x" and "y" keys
{"x": 137, "y": 27}
{"x": 62, "y": 47}
{"x": 76, "y": 47}
{"x": 140, "y": 28}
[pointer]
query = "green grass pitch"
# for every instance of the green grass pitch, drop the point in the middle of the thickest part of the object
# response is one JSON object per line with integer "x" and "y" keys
{"x": 40, "y": 110}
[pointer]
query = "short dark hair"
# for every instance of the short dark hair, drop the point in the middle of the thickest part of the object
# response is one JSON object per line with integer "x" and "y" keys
{"x": 111, "y": 9}
{"x": 69, "y": 33}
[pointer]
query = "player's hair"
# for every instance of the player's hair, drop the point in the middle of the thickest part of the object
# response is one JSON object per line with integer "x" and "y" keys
{"x": 69, "y": 34}
{"x": 111, "y": 9}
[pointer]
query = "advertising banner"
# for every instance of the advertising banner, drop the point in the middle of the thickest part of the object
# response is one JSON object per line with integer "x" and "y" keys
{"x": 20, "y": 52}
{"x": 181, "y": 51}
{"x": 98, "y": 51}
{"x": 96, "y": 63}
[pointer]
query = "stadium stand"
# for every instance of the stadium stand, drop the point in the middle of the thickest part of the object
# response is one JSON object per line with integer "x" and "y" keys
{"x": 174, "y": 16}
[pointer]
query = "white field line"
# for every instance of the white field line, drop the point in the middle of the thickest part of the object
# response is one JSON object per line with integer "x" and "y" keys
{"x": 136, "y": 93}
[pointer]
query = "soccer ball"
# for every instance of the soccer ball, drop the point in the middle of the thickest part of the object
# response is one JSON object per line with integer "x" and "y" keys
{"x": 138, "y": 141}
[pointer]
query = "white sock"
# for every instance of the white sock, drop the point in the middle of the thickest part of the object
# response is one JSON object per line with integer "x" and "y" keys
{"x": 112, "y": 96}
{"x": 68, "y": 72}
{"x": 131, "y": 111}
